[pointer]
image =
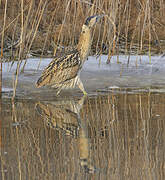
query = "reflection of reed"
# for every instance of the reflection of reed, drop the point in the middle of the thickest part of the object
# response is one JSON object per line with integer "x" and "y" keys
{"x": 131, "y": 143}
{"x": 65, "y": 116}
{"x": 126, "y": 133}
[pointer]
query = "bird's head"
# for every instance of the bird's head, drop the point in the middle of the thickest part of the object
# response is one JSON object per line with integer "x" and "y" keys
{"x": 91, "y": 21}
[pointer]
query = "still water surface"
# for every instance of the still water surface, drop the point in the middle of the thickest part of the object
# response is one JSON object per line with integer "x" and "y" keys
{"x": 109, "y": 136}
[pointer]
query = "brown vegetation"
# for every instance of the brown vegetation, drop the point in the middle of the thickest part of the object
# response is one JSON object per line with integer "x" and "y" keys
{"x": 43, "y": 26}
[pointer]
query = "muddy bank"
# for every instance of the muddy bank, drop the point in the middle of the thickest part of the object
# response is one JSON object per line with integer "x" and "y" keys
{"x": 96, "y": 75}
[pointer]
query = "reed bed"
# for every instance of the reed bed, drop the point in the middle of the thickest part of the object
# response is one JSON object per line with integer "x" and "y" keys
{"x": 44, "y": 27}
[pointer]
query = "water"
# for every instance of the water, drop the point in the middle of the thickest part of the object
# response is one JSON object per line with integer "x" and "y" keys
{"x": 110, "y": 136}
{"x": 95, "y": 75}
{"x": 116, "y": 132}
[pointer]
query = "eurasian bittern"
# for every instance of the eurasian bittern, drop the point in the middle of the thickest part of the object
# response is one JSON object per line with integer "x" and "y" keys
{"x": 64, "y": 72}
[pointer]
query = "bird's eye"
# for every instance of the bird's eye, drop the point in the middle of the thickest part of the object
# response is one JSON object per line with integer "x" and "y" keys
{"x": 83, "y": 31}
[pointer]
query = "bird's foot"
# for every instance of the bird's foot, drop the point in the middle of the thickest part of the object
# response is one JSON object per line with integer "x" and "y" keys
{"x": 85, "y": 93}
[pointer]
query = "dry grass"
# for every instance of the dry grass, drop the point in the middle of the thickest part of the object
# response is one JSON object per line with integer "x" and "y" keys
{"x": 47, "y": 25}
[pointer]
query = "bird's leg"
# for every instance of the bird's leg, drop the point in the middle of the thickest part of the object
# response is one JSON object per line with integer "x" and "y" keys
{"x": 58, "y": 92}
{"x": 80, "y": 85}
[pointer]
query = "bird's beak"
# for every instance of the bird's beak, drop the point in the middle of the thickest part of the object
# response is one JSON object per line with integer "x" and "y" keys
{"x": 99, "y": 17}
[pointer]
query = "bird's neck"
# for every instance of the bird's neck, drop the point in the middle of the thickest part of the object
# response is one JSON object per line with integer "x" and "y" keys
{"x": 84, "y": 44}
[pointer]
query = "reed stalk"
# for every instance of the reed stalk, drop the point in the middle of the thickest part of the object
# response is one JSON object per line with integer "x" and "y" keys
{"x": 2, "y": 43}
{"x": 48, "y": 31}
{"x": 111, "y": 51}
{"x": 38, "y": 22}
{"x": 144, "y": 25}
{"x": 149, "y": 30}
{"x": 20, "y": 51}
{"x": 34, "y": 27}
{"x": 64, "y": 19}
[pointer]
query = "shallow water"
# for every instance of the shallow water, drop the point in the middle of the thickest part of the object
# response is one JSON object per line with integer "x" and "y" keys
{"x": 116, "y": 132}
{"x": 96, "y": 75}
{"x": 114, "y": 135}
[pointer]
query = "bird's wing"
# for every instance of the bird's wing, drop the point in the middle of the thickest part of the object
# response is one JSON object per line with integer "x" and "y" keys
{"x": 59, "y": 117}
{"x": 60, "y": 69}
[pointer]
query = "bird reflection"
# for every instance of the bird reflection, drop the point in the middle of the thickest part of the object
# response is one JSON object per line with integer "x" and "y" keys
{"x": 65, "y": 116}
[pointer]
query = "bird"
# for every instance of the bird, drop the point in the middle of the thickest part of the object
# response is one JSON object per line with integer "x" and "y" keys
{"x": 64, "y": 72}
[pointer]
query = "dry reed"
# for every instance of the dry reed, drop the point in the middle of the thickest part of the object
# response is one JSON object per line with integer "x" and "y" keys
{"x": 46, "y": 22}
{"x": 2, "y": 41}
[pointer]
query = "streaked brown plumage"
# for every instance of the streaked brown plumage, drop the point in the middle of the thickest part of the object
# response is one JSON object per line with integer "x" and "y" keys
{"x": 63, "y": 72}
